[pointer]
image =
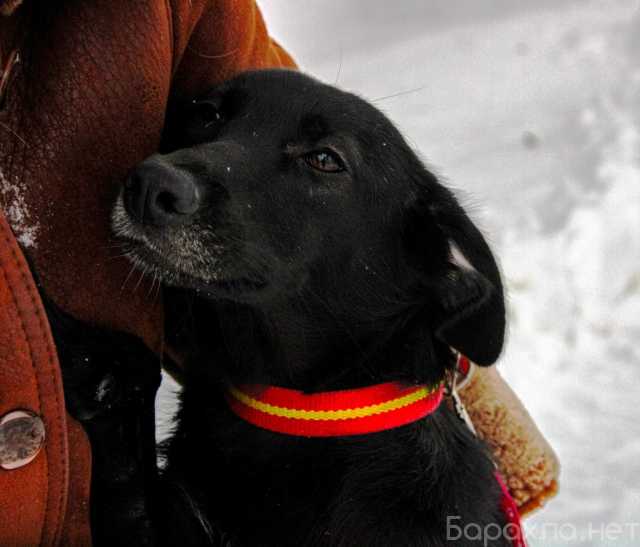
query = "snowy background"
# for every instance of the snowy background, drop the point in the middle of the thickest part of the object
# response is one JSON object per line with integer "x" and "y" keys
{"x": 531, "y": 110}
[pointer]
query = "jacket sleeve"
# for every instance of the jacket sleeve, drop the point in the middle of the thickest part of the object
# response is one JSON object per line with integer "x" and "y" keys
{"x": 217, "y": 39}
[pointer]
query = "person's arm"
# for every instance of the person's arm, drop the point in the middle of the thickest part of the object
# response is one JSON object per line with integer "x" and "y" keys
{"x": 216, "y": 39}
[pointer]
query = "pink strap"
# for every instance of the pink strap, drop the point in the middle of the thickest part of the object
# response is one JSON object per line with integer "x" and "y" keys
{"x": 513, "y": 529}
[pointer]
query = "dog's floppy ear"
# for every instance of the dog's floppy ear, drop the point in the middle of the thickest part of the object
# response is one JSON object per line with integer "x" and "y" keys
{"x": 468, "y": 290}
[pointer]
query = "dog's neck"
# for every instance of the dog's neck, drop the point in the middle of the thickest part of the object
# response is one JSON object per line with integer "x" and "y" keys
{"x": 398, "y": 483}
{"x": 305, "y": 346}
{"x": 393, "y": 484}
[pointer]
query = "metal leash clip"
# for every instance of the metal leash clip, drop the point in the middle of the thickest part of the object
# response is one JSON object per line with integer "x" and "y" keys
{"x": 451, "y": 390}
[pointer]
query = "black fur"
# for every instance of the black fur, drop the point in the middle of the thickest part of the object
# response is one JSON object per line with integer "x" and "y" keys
{"x": 110, "y": 380}
{"x": 314, "y": 280}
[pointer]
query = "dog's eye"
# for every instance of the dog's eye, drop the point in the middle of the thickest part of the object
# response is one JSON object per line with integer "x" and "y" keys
{"x": 208, "y": 113}
{"x": 325, "y": 160}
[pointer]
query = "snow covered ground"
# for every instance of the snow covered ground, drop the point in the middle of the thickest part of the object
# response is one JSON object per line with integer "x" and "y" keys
{"x": 530, "y": 109}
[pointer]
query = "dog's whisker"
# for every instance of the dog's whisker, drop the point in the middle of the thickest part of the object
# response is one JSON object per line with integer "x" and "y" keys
{"x": 229, "y": 53}
{"x": 151, "y": 285}
{"x": 399, "y": 94}
{"x": 14, "y": 133}
{"x": 124, "y": 254}
{"x": 158, "y": 288}
{"x": 126, "y": 279}
{"x": 143, "y": 272}
{"x": 339, "y": 67}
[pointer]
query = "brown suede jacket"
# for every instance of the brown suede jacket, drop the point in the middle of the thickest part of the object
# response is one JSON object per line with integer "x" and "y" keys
{"x": 83, "y": 94}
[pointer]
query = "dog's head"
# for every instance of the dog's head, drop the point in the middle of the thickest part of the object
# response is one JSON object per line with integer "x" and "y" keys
{"x": 276, "y": 186}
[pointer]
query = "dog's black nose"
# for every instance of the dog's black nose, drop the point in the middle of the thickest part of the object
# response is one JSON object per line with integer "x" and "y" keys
{"x": 159, "y": 194}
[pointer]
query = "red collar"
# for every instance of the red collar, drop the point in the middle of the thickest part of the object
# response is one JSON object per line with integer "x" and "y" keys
{"x": 334, "y": 413}
{"x": 352, "y": 412}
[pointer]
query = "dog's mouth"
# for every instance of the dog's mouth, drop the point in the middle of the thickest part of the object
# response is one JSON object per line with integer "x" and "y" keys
{"x": 156, "y": 264}
{"x": 180, "y": 259}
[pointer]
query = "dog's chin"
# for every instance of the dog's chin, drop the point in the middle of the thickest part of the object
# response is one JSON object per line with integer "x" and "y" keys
{"x": 205, "y": 274}
{"x": 185, "y": 276}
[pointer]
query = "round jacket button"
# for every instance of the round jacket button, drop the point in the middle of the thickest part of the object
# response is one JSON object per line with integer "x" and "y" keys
{"x": 21, "y": 438}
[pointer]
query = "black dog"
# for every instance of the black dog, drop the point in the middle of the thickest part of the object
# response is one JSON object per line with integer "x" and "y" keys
{"x": 317, "y": 253}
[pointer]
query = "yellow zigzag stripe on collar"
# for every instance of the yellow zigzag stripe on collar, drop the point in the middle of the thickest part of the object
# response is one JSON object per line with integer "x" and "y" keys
{"x": 344, "y": 414}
